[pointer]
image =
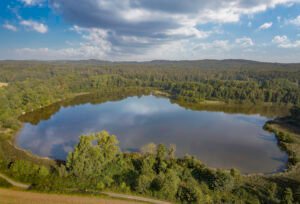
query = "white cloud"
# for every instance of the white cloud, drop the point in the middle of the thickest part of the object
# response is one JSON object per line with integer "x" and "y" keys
{"x": 216, "y": 44}
{"x": 284, "y": 42}
{"x": 82, "y": 52}
{"x": 295, "y": 21}
{"x": 280, "y": 39}
{"x": 244, "y": 42}
{"x": 157, "y": 21}
{"x": 188, "y": 32}
{"x": 265, "y": 26}
{"x": 36, "y": 26}
{"x": 31, "y": 2}
{"x": 10, "y": 27}
{"x": 145, "y": 30}
{"x": 225, "y": 45}
{"x": 94, "y": 45}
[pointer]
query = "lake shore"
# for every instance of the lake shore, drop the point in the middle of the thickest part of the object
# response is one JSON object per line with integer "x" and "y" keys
{"x": 255, "y": 178}
{"x": 50, "y": 162}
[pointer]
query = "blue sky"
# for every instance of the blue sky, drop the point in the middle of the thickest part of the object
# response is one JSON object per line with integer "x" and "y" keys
{"x": 264, "y": 30}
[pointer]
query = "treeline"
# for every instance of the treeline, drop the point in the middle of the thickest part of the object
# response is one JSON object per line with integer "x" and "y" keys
{"x": 274, "y": 91}
{"x": 229, "y": 80}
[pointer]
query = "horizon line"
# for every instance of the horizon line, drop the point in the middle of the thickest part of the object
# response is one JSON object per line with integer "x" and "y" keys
{"x": 145, "y": 61}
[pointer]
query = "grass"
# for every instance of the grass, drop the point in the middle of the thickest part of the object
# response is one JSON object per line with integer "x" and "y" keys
{"x": 288, "y": 136}
{"x": 11, "y": 196}
{"x": 14, "y": 153}
{"x": 4, "y": 183}
{"x": 160, "y": 93}
{"x": 292, "y": 146}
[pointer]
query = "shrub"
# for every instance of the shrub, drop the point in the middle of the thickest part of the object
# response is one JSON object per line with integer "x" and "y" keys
{"x": 188, "y": 192}
{"x": 282, "y": 137}
{"x": 287, "y": 196}
{"x": 4, "y": 183}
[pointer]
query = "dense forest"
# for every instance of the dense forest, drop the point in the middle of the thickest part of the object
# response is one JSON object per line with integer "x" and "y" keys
{"x": 97, "y": 162}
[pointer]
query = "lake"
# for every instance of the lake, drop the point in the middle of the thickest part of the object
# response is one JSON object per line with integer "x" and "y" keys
{"x": 218, "y": 139}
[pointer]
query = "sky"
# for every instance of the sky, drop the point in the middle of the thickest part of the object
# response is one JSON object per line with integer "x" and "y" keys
{"x": 142, "y": 30}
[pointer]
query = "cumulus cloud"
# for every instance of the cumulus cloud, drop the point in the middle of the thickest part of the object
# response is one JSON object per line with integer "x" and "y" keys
{"x": 94, "y": 45}
{"x": 216, "y": 44}
{"x": 36, "y": 26}
{"x": 141, "y": 16}
{"x": 244, "y": 42}
{"x": 295, "y": 21}
{"x": 154, "y": 23}
{"x": 284, "y": 42}
{"x": 265, "y": 26}
{"x": 10, "y": 27}
{"x": 144, "y": 29}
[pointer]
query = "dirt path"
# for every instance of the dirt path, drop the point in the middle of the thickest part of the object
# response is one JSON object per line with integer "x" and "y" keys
{"x": 14, "y": 183}
{"x": 3, "y": 84}
{"x": 137, "y": 198}
{"x": 112, "y": 195}
{"x": 8, "y": 196}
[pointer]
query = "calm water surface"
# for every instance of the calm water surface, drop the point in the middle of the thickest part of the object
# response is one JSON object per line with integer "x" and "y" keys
{"x": 216, "y": 138}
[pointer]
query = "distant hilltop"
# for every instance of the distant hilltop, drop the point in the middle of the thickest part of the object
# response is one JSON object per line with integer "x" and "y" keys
{"x": 205, "y": 63}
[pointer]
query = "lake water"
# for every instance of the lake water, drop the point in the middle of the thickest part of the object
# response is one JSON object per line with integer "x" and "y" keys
{"x": 218, "y": 139}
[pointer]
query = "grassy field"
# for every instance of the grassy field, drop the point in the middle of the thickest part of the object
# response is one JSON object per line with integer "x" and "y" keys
{"x": 10, "y": 196}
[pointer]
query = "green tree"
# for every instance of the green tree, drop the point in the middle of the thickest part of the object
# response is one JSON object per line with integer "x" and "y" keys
{"x": 149, "y": 148}
{"x": 144, "y": 183}
{"x": 92, "y": 154}
{"x": 222, "y": 181}
{"x": 287, "y": 196}
{"x": 169, "y": 185}
{"x": 188, "y": 192}
{"x": 295, "y": 113}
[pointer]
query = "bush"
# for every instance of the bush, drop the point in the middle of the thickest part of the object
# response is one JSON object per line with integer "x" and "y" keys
{"x": 282, "y": 137}
{"x": 188, "y": 192}
{"x": 143, "y": 184}
{"x": 4, "y": 183}
{"x": 222, "y": 181}
{"x": 293, "y": 159}
{"x": 27, "y": 171}
{"x": 287, "y": 196}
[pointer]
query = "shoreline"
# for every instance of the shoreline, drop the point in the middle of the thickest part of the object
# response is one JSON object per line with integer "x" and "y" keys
{"x": 281, "y": 170}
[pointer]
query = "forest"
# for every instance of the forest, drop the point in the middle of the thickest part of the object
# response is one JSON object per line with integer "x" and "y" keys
{"x": 97, "y": 164}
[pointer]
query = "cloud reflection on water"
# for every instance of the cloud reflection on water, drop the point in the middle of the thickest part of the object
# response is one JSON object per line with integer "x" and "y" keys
{"x": 217, "y": 138}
